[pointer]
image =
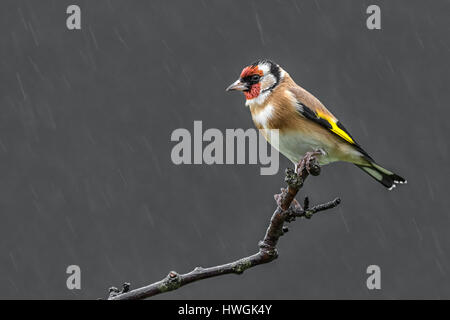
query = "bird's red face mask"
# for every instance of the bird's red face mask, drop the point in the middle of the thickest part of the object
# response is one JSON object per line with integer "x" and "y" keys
{"x": 248, "y": 82}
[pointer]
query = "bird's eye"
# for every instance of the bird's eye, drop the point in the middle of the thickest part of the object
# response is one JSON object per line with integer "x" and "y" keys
{"x": 255, "y": 78}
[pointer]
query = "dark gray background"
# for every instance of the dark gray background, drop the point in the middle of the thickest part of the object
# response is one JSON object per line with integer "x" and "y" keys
{"x": 86, "y": 174}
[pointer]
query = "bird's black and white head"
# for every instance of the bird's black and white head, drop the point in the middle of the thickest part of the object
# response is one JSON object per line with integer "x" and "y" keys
{"x": 258, "y": 80}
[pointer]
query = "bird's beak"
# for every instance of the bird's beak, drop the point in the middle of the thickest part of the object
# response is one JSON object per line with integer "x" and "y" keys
{"x": 237, "y": 85}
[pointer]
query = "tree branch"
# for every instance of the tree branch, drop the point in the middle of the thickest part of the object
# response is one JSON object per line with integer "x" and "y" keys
{"x": 288, "y": 210}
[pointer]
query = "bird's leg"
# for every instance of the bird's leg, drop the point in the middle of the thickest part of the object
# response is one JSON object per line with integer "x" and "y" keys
{"x": 295, "y": 204}
{"x": 279, "y": 196}
{"x": 307, "y": 159}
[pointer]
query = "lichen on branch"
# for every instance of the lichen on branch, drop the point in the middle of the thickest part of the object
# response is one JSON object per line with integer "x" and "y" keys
{"x": 288, "y": 209}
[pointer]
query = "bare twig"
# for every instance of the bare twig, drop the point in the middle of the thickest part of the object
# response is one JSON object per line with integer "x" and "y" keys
{"x": 288, "y": 210}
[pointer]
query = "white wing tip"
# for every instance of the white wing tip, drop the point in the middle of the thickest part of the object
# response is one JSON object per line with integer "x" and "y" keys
{"x": 397, "y": 182}
{"x": 392, "y": 187}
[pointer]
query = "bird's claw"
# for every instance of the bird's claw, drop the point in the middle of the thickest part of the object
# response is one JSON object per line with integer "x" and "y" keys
{"x": 279, "y": 196}
{"x": 305, "y": 162}
{"x": 295, "y": 204}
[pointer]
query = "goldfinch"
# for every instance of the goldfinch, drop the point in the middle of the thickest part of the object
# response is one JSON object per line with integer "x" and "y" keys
{"x": 306, "y": 128}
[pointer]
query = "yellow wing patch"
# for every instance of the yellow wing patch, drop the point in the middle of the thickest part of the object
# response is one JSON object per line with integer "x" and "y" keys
{"x": 327, "y": 121}
{"x": 337, "y": 128}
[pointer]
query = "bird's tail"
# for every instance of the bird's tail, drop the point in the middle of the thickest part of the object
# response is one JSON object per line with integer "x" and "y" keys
{"x": 382, "y": 175}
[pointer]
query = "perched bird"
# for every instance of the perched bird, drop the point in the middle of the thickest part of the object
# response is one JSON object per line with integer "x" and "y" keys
{"x": 306, "y": 128}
